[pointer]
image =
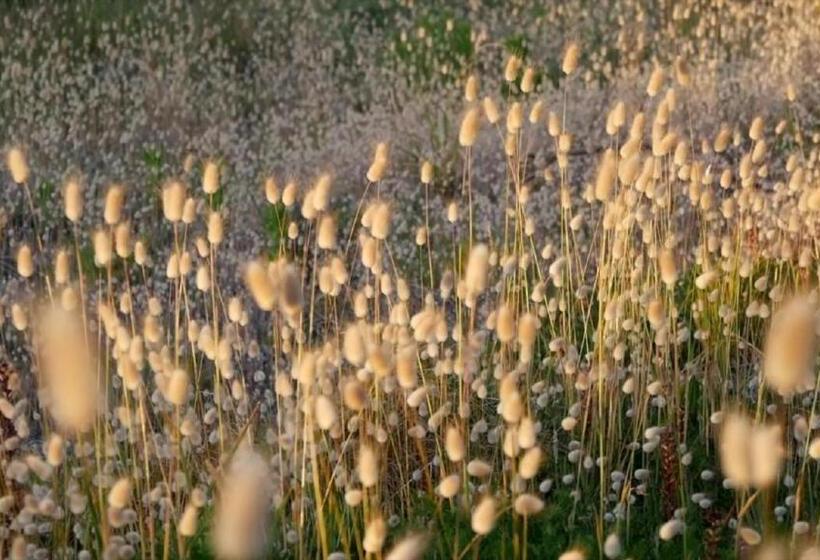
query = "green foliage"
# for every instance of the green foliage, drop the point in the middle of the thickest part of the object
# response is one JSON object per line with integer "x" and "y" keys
{"x": 276, "y": 226}
{"x": 438, "y": 41}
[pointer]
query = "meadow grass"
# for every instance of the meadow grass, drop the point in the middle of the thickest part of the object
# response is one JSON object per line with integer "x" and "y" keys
{"x": 637, "y": 379}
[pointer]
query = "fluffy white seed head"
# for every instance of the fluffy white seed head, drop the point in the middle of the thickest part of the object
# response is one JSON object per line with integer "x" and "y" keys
{"x": 260, "y": 284}
{"x": 173, "y": 200}
{"x": 69, "y": 370}
{"x": 426, "y": 172}
{"x": 612, "y": 546}
{"x": 368, "y": 466}
{"x": 471, "y": 89}
{"x": 120, "y": 494}
{"x": 374, "y": 535}
{"x": 377, "y": 169}
{"x": 188, "y": 522}
{"x": 73, "y": 199}
{"x": 177, "y": 392}
{"x": 210, "y": 177}
{"x": 18, "y": 167}
{"x": 454, "y": 444}
{"x": 470, "y": 124}
{"x": 528, "y": 504}
{"x": 791, "y": 347}
{"x": 325, "y": 412}
{"x": 55, "y": 450}
{"x": 240, "y": 527}
{"x": 449, "y": 486}
{"x": 114, "y": 199}
{"x": 25, "y": 263}
{"x": 326, "y": 236}
{"x": 571, "y": 55}
{"x": 411, "y": 547}
{"x": 483, "y": 517}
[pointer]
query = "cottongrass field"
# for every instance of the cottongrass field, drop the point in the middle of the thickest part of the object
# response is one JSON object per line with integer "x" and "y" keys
{"x": 630, "y": 373}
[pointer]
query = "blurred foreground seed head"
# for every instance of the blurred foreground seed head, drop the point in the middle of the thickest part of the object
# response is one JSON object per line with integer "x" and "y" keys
{"x": 791, "y": 347}
{"x": 241, "y": 522}
{"x": 69, "y": 370}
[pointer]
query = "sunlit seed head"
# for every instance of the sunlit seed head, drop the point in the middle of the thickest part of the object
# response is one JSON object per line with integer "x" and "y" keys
{"x": 304, "y": 370}
{"x": 210, "y": 177}
{"x": 471, "y": 89}
{"x": 271, "y": 191}
{"x": 449, "y": 486}
{"x": 326, "y": 236}
{"x": 411, "y": 547}
{"x": 172, "y": 266}
{"x": 655, "y": 82}
{"x": 751, "y": 455}
{"x": 426, "y": 172}
{"x": 368, "y": 466}
{"x": 527, "y": 331}
{"x": 470, "y": 124}
{"x": 73, "y": 199}
{"x": 454, "y": 444}
{"x": 187, "y": 525}
{"x": 528, "y": 504}
{"x": 671, "y": 529}
{"x": 790, "y": 350}
{"x": 178, "y": 387}
{"x": 791, "y": 92}
{"x": 505, "y": 323}
{"x": 571, "y": 55}
{"x": 381, "y": 220}
{"x": 491, "y": 112}
{"x": 612, "y": 546}
{"x": 114, "y": 199}
{"x": 554, "y": 124}
{"x": 55, "y": 450}
{"x": 452, "y": 212}
{"x": 375, "y": 535}
{"x": 479, "y": 468}
{"x": 103, "y": 250}
{"x": 668, "y": 267}
{"x": 25, "y": 263}
{"x": 325, "y": 412}
{"x": 140, "y": 253}
{"x": 380, "y": 160}
{"x": 120, "y": 494}
{"x": 530, "y": 463}
{"x": 185, "y": 264}
{"x": 749, "y": 536}
{"x": 354, "y": 394}
{"x": 512, "y": 67}
{"x": 173, "y": 200}
{"x": 240, "y": 527}
{"x": 293, "y": 230}
{"x": 515, "y": 117}
{"x": 536, "y": 112}
{"x": 260, "y": 285}
{"x": 607, "y": 173}
{"x": 655, "y": 313}
{"x": 289, "y": 194}
{"x": 528, "y": 80}
{"x": 483, "y": 517}
{"x": 18, "y": 548}
{"x": 756, "y": 128}
{"x": 216, "y": 232}
{"x": 475, "y": 275}
{"x": 17, "y": 165}
{"x": 814, "y": 449}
